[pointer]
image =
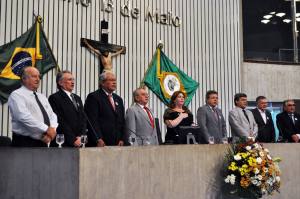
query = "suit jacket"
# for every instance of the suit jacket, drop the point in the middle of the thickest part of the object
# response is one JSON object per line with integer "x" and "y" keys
{"x": 107, "y": 123}
{"x": 71, "y": 122}
{"x": 286, "y": 126}
{"x": 138, "y": 125}
{"x": 266, "y": 131}
{"x": 239, "y": 124}
{"x": 210, "y": 125}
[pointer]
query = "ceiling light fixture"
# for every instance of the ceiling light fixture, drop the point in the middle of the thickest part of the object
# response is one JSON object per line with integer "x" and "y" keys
{"x": 265, "y": 21}
{"x": 268, "y": 16}
{"x": 280, "y": 14}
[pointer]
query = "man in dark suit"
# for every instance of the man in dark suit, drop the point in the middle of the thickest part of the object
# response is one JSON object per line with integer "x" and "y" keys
{"x": 105, "y": 111}
{"x": 69, "y": 110}
{"x": 263, "y": 118}
{"x": 288, "y": 122}
{"x": 210, "y": 118}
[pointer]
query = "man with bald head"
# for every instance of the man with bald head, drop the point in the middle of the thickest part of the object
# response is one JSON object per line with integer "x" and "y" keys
{"x": 33, "y": 120}
{"x": 140, "y": 122}
{"x": 105, "y": 111}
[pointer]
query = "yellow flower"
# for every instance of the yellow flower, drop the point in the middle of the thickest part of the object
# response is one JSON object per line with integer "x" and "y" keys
{"x": 232, "y": 166}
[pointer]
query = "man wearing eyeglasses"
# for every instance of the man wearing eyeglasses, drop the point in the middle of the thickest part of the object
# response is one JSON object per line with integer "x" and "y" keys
{"x": 288, "y": 122}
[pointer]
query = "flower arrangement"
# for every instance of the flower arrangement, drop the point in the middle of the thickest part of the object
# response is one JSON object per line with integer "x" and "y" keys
{"x": 250, "y": 171}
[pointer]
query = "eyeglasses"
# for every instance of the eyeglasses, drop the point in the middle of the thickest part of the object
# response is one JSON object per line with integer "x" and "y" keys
{"x": 291, "y": 105}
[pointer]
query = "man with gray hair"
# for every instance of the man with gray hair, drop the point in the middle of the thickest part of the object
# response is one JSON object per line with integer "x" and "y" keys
{"x": 105, "y": 111}
{"x": 69, "y": 110}
{"x": 140, "y": 122}
{"x": 33, "y": 121}
{"x": 288, "y": 122}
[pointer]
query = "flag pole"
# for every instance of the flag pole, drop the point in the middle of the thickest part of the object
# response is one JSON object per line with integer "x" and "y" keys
{"x": 158, "y": 48}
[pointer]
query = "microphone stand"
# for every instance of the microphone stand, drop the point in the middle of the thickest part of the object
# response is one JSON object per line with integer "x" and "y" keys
{"x": 137, "y": 136}
{"x": 89, "y": 122}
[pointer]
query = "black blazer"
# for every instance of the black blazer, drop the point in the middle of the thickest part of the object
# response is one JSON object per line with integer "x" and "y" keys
{"x": 266, "y": 132}
{"x": 107, "y": 124}
{"x": 71, "y": 122}
{"x": 286, "y": 126}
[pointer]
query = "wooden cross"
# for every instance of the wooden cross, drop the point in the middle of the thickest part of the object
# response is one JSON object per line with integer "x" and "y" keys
{"x": 104, "y": 50}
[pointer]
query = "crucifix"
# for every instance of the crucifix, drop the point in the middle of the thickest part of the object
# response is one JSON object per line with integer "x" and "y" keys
{"x": 104, "y": 50}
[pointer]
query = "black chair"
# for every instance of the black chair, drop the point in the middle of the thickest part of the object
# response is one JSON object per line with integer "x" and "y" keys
{"x": 5, "y": 141}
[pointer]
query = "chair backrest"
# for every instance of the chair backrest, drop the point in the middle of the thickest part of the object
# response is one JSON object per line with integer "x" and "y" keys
{"x": 5, "y": 141}
{"x": 158, "y": 130}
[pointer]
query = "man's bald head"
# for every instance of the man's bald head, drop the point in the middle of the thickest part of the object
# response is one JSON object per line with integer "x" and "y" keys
{"x": 30, "y": 78}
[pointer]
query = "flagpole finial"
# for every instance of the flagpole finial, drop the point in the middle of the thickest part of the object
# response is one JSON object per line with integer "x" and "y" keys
{"x": 39, "y": 19}
{"x": 160, "y": 44}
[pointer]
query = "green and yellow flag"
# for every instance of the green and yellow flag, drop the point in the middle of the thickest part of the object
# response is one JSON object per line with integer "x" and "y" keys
{"x": 30, "y": 49}
{"x": 164, "y": 78}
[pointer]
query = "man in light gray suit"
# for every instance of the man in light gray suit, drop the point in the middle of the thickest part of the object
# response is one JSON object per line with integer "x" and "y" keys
{"x": 210, "y": 118}
{"x": 242, "y": 121}
{"x": 140, "y": 122}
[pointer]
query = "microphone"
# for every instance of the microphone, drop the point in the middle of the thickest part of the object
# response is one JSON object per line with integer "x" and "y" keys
{"x": 89, "y": 122}
{"x": 142, "y": 139}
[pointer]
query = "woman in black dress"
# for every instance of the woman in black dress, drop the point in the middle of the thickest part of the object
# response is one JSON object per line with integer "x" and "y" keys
{"x": 176, "y": 115}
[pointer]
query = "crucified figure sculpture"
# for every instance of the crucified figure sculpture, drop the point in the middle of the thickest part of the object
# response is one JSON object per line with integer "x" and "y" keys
{"x": 104, "y": 56}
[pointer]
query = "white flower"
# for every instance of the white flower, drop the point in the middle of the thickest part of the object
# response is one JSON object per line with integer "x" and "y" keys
{"x": 259, "y": 177}
{"x": 237, "y": 157}
{"x": 277, "y": 179}
{"x": 266, "y": 170}
{"x": 258, "y": 160}
{"x": 227, "y": 179}
{"x": 261, "y": 153}
{"x": 269, "y": 157}
{"x": 255, "y": 145}
{"x": 256, "y": 171}
{"x": 230, "y": 179}
{"x": 263, "y": 190}
{"x": 248, "y": 148}
{"x": 254, "y": 182}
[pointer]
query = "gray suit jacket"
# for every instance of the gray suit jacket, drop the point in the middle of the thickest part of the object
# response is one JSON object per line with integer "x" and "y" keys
{"x": 239, "y": 124}
{"x": 210, "y": 125}
{"x": 138, "y": 125}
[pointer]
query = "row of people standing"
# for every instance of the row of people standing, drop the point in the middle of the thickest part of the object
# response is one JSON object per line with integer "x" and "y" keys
{"x": 35, "y": 121}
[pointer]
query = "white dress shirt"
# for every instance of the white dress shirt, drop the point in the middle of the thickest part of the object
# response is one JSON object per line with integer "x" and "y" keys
{"x": 263, "y": 115}
{"x": 68, "y": 94}
{"x": 143, "y": 107}
{"x": 27, "y": 117}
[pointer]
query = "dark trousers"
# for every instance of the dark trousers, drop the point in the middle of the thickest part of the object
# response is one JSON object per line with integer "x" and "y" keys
{"x": 26, "y": 141}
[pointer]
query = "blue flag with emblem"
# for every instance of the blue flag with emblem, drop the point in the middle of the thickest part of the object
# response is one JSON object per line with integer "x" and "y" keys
{"x": 30, "y": 49}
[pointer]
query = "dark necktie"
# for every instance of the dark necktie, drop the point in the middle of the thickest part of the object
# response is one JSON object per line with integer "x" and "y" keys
{"x": 45, "y": 115}
{"x": 150, "y": 116}
{"x": 215, "y": 113}
{"x": 74, "y": 101}
{"x": 246, "y": 115}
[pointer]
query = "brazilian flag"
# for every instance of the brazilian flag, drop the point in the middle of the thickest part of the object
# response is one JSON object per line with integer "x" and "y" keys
{"x": 30, "y": 49}
{"x": 164, "y": 78}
